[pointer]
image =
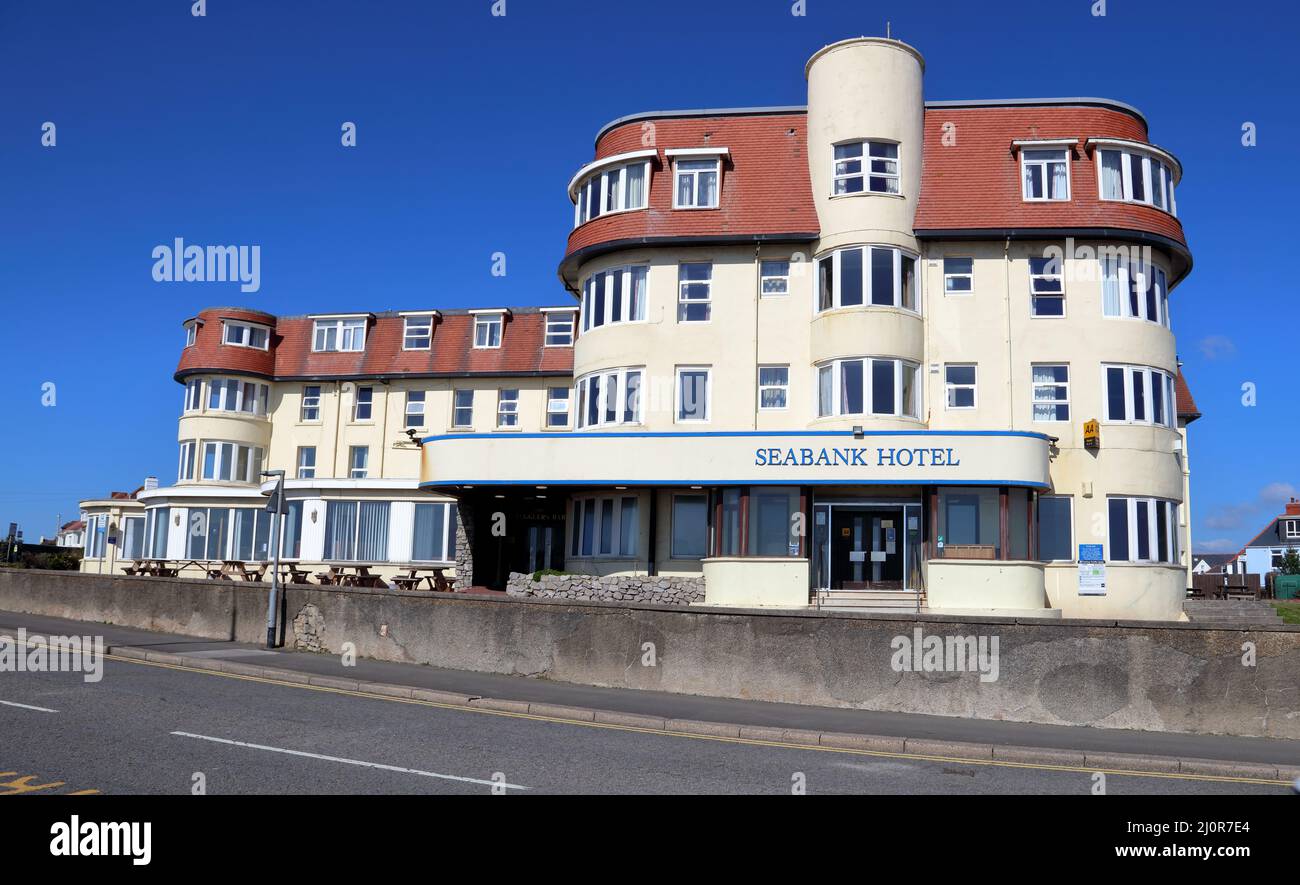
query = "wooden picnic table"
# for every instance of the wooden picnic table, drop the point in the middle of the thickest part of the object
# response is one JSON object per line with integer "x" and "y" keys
{"x": 293, "y": 573}
{"x": 153, "y": 568}
{"x": 351, "y": 574}
{"x": 435, "y": 575}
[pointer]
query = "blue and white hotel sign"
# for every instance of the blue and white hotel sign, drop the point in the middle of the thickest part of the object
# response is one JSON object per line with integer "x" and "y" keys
{"x": 826, "y": 458}
{"x": 1092, "y": 570}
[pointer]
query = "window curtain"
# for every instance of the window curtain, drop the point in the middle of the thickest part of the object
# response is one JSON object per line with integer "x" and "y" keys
{"x": 1111, "y": 286}
{"x": 825, "y": 388}
{"x": 340, "y": 530}
{"x": 1030, "y": 189}
{"x": 372, "y": 536}
{"x": 1112, "y": 175}
{"x": 430, "y": 530}
{"x": 635, "y": 186}
{"x": 1060, "y": 180}
{"x": 1046, "y": 409}
{"x": 636, "y": 311}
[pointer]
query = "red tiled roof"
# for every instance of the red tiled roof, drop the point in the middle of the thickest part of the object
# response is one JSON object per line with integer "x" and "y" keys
{"x": 970, "y": 185}
{"x": 76, "y": 525}
{"x": 765, "y": 186}
{"x": 975, "y": 182}
{"x": 290, "y": 355}
{"x": 1186, "y": 404}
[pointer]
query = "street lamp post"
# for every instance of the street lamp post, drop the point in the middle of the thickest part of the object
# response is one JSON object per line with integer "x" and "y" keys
{"x": 276, "y": 507}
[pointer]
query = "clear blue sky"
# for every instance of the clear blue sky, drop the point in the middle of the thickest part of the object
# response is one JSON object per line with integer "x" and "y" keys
{"x": 225, "y": 129}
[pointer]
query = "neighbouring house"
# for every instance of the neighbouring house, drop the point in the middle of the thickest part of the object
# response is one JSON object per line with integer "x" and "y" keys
{"x": 1264, "y": 553}
{"x": 113, "y": 533}
{"x": 1217, "y": 564}
{"x": 72, "y": 534}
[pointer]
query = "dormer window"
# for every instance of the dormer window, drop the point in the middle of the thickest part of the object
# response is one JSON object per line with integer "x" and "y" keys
{"x": 559, "y": 328}
{"x": 1046, "y": 174}
{"x": 1126, "y": 172}
{"x": 245, "y": 335}
{"x": 191, "y": 333}
{"x": 418, "y": 333}
{"x": 339, "y": 335}
{"x": 697, "y": 177}
{"x": 1292, "y": 529}
{"x": 614, "y": 184}
{"x": 487, "y": 330}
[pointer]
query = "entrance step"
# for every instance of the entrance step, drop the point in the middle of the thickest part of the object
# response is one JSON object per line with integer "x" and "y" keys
{"x": 1231, "y": 612}
{"x": 869, "y": 600}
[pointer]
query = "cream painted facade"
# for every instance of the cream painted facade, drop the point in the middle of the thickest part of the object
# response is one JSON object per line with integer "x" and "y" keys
{"x": 1011, "y": 461}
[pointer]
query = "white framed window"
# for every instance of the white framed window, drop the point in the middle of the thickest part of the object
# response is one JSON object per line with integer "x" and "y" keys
{"x": 233, "y": 395}
{"x": 306, "y": 462}
{"x": 693, "y": 392}
{"x": 624, "y": 188}
{"x": 1139, "y": 395}
{"x": 357, "y": 531}
{"x": 433, "y": 535}
{"x": 1046, "y": 174}
{"x": 1055, "y": 528}
{"x": 487, "y": 330}
{"x": 694, "y": 292}
{"x": 310, "y": 412}
{"x": 231, "y": 462}
{"x": 959, "y": 386}
{"x": 339, "y": 335}
{"x": 557, "y": 406}
{"x": 185, "y": 473}
{"x": 870, "y": 166}
{"x": 1046, "y": 287}
{"x": 868, "y": 386}
{"x": 191, "y": 334}
{"x": 876, "y": 276}
{"x": 417, "y": 333}
{"x": 773, "y": 277}
{"x": 605, "y": 527}
{"x": 559, "y": 328}
{"x": 415, "y": 408}
{"x": 508, "y": 409}
{"x": 609, "y": 398}
{"x": 1051, "y": 392}
{"x": 696, "y": 183}
{"x": 245, "y": 335}
{"x": 1142, "y": 530}
{"x": 1132, "y": 176}
{"x": 358, "y": 462}
{"x": 462, "y": 409}
{"x": 773, "y": 388}
{"x": 1292, "y": 529}
{"x": 1134, "y": 289}
{"x": 615, "y": 295}
{"x": 193, "y": 394}
{"x": 958, "y": 276}
{"x": 363, "y": 409}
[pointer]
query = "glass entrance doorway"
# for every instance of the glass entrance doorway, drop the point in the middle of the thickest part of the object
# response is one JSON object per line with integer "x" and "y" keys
{"x": 867, "y": 546}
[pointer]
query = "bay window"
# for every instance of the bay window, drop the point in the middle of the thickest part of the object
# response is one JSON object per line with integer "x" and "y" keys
{"x": 605, "y": 527}
{"x": 621, "y": 188}
{"x": 610, "y": 398}
{"x": 696, "y": 183}
{"x": 186, "y": 471}
{"x": 870, "y": 166}
{"x": 157, "y": 521}
{"x": 881, "y": 276}
{"x": 1046, "y": 174}
{"x": 1131, "y": 175}
{"x": 1142, "y": 530}
{"x": 868, "y": 386}
{"x": 339, "y": 335}
{"x": 193, "y": 395}
{"x": 1140, "y": 395}
{"x": 231, "y": 462}
{"x": 232, "y": 395}
{"x": 616, "y": 295}
{"x": 1134, "y": 289}
{"x": 245, "y": 335}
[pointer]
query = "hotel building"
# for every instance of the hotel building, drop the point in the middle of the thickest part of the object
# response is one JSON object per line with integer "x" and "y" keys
{"x": 875, "y": 351}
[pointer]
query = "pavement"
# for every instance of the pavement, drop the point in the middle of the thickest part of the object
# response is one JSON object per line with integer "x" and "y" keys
{"x": 283, "y": 721}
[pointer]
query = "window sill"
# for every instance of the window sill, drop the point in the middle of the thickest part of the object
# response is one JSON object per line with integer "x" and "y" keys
{"x": 868, "y": 194}
{"x": 861, "y": 308}
{"x": 697, "y": 208}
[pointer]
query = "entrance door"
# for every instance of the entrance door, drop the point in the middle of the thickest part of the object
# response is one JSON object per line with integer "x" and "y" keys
{"x": 860, "y": 547}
